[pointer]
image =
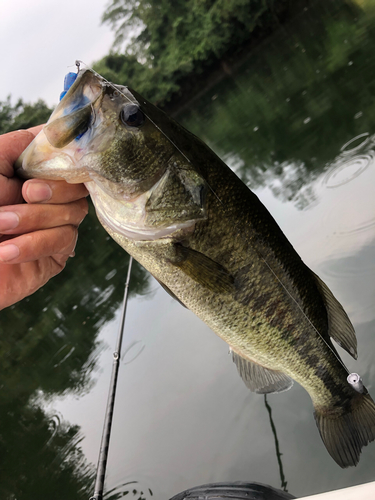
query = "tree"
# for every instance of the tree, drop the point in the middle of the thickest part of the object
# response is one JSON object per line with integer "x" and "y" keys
{"x": 22, "y": 115}
{"x": 171, "y": 40}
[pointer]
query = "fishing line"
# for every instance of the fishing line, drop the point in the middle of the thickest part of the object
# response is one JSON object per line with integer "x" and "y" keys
{"x": 303, "y": 312}
{"x": 224, "y": 208}
{"x": 106, "y": 434}
{"x": 155, "y": 125}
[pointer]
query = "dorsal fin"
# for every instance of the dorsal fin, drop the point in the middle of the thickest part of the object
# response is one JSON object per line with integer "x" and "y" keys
{"x": 259, "y": 379}
{"x": 339, "y": 325}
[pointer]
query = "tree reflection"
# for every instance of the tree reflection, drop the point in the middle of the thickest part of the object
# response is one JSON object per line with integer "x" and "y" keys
{"x": 52, "y": 335}
{"x": 131, "y": 488}
{"x": 280, "y": 121}
{"x": 283, "y": 116}
{"x": 284, "y": 483}
{"x": 41, "y": 457}
{"x": 49, "y": 346}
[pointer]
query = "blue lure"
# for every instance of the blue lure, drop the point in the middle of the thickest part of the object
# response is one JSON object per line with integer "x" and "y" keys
{"x": 69, "y": 79}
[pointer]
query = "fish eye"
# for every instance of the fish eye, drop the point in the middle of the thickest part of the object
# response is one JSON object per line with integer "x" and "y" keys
{"x": 132, "y": 115}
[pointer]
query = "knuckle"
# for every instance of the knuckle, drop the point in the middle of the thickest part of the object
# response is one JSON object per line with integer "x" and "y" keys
{"x": 73, "y": 232}
{"x": 80, "y": 210}
{"x": 59, "y": 262}
{"x": 64, "y": 238}
{"x": 83, "y": 206}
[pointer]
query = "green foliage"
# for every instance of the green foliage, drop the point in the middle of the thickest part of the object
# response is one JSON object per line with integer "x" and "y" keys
{"x": 282, "y": 118}
{"x": 49, "y": 347}
{"x": 41, "y": 455}
{"x": 22, "y": 115}
{"x": 7, "y": 114}
{"x": 176, "y": 39}
{"x": 52, "y": 335}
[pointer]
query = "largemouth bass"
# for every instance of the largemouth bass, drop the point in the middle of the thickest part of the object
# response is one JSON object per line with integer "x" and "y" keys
{"x": 169, "y": 201}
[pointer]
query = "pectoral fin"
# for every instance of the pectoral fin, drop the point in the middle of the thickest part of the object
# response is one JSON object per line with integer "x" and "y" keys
{"x": 340, "y": 327}
{"x": 203, "y": 270}
{"x": 177, "y": 197}
{"x": 259, "y": 379}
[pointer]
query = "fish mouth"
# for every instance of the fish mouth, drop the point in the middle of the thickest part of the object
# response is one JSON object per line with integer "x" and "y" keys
{"x": 44, "y": 157}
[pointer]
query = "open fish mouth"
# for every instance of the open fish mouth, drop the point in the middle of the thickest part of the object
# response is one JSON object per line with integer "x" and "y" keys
{"x": 53, "y": 149}
{"x": 94, "y": 118}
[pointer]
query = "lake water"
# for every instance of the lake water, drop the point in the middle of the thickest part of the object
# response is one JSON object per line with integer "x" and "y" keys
{"x": 296, "y": 121}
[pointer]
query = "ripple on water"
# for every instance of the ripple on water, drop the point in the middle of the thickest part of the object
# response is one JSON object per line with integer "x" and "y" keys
{"x": 345, "y": 220}
{"x": 54, "y": 424}
{"x": 133, "y": 351}
{"x": 130, "y": 489}
{"x": 62, "y": 354}
{"x": 349, "y": 267}
{"x": 356, "y": 143}
{"x": 356, "y": 156}
{"x": 347, "y": 170}
{"x": 363, "y": 226}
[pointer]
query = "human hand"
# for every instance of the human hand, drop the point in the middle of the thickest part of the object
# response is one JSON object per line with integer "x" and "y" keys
{"x": 36, "y": 237}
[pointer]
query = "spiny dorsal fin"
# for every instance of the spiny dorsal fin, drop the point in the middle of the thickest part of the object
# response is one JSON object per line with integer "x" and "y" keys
{"x": 339, "y": 325}
{"x": 204, "y": 270}
{"x": 259, "y": 379}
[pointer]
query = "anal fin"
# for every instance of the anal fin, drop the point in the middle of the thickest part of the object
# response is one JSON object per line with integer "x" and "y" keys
{"x": 340, "y": 327}
{"x": 259, "y": 379}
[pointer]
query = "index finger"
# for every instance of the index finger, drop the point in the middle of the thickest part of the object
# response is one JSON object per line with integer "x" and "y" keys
{"x": 11, "y": 146}
{"x": 48, "y": 191}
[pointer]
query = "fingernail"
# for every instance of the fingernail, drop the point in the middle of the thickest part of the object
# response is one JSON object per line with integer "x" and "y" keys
{"x": 8, "y": 252}
{"x": 38, "y": 191}
{"x": 8, "y": 220}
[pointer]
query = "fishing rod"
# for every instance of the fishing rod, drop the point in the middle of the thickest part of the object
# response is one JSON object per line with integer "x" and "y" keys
{"x": 106, "y": 434}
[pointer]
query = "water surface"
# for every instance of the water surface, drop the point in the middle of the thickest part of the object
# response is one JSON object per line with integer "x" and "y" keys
{"x": 296, "y": 121}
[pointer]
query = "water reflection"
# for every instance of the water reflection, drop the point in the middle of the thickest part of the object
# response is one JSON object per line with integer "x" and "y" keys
{"x": 132, "y": 488}
{"x": 277, "y": 446}
{"x": 355, "y": 144}
{"x": 356, "y": 155}
{"x": 41, "y": 456}
{"x": 293, "y": 104}
{"x": 296, "y": 122}
{"x": 235, "y": 491}
{"x": 132, "y": 352}
{"x": 49, "y": 347}
{"x": 348, "y": 170}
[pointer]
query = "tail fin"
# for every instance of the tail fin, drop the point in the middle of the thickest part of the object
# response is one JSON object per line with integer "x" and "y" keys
{"x": 345, "y": 434}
